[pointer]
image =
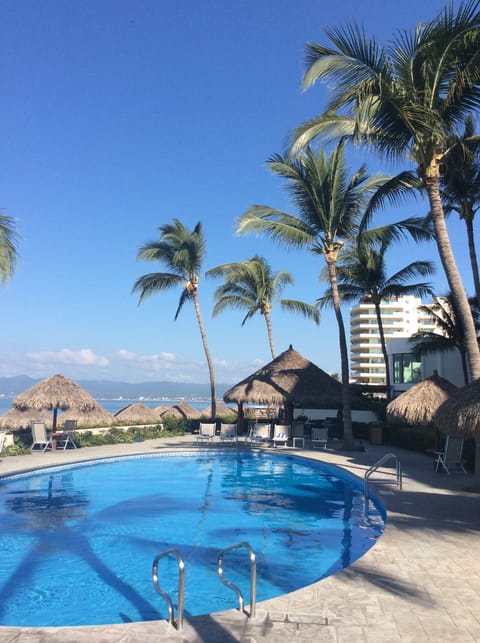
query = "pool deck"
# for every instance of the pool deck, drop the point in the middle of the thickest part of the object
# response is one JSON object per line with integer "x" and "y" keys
{"x": 420, "y": 582}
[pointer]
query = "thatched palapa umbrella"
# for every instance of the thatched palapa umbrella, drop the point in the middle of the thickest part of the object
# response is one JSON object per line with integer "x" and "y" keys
{"x": 182, "y": 410}
{"x": 420, "y": 402}
{"x": 289, "y": 380}
{"x": 459, "y": 416}
{"x": 222, "y": 409}
{"x": 54, "y": 393}
{"x": 136, "y": 412}
{"x": 98, "y": 416}
{"x": 17, "y": 419}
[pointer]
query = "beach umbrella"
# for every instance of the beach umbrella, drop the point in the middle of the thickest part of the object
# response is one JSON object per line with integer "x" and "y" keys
{"x": 222, "y": 409}
{"x": 96, "y": 417}
{"x": 159, "y": 410}
{"x": 289, "y": 380}
{"x": 182, "y": 410}
{"x": 459, "y": 416}
{"x": 53, "y": 394}
{"x": 17, "y": 419}
{"x": 419, "y": 403}
{"x": 136, "y": 412}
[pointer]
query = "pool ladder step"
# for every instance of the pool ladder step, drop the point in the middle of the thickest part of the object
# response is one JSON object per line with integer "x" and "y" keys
{"x": 181, "y": 582}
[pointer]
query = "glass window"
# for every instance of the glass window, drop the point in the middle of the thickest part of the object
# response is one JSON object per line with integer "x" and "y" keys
{"x": 407, "y": 368}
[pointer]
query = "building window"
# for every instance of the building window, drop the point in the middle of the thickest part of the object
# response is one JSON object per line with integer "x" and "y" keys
{"x": 407, "y": 368}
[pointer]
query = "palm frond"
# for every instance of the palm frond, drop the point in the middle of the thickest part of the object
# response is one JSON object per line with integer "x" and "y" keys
{"x": 309, "y": 311}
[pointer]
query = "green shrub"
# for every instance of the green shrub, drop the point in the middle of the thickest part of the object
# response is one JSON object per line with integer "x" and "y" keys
{"x": 19, "y": 447}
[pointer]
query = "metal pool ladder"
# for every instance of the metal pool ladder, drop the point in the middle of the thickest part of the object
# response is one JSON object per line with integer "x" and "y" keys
{"x": 253, "y": 578}
{"x": 386, "y": 458}
{"x": 181, "y": 586}
{"x": 181, "y": 582}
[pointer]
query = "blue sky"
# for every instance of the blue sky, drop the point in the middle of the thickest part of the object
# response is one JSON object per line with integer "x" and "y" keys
{"x": 119, "y": 115}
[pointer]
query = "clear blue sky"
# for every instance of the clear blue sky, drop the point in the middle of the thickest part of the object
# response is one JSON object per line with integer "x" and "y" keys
{"x": 119, "y": 115}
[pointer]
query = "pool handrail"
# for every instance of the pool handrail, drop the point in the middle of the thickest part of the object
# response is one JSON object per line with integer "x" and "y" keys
{"x": 386, "y": 458}
{"x": 181, "y": 586}
{"x": 253, "y": 578}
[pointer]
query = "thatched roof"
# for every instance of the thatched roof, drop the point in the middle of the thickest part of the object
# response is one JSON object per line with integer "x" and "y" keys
{"x": 136, "y": 412}
{"x": 97, "y": 416}
{"x": 159, "y": 410}
{"x": 55, "y": 393}
{"x": 16, "y": 419}
{"x": 419, "y": 403}
{"x": 459, "y": 416}
{"x": 289, "y": 378}
{"x": 222, "y": 409}
{"x": 181, "y": 410}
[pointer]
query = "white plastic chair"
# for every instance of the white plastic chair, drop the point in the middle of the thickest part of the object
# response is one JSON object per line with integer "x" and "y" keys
{"x": 261, "y": 432}
{"x": 228, "y": 432}
{"x": 206, "y": 431}
{"x": 319, "y": 437}
{"x": 281, "y": 434}
{"x": 3, "y": 437}
{"x": 451, "y": 456}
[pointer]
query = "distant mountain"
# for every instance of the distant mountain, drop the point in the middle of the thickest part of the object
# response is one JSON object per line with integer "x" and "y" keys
{"x": 108, "y": 389}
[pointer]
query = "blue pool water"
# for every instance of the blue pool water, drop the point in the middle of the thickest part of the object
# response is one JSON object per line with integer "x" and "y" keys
{"x": 77, "y": 543}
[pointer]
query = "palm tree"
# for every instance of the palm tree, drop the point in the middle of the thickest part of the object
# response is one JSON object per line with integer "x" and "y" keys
{"x": 330, "y": 204}
{"x": 448, "y": 332}
{"x": 460, "y": 186}
{"x": 362, "y": 275}
{"x": 9, "y": 240}
{"x": 407, "y": 100}
{"x": 252, "y": 286}
{"x": 182, "y": 252}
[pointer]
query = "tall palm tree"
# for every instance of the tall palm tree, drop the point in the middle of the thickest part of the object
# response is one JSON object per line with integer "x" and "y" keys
{"x": 9, "y": 240}
{"x": 330, "y": 203}
{"x": 447, "y": 333}
{"x": 406, "y": 100}
{"x": 362, "y": 275}
{"x": 252, "y": 286}
{"x": 460, "y": 186}
{"x": 182, "y": 252}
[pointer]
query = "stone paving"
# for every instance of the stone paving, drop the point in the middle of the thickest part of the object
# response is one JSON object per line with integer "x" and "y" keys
{"x": 420, "y": 582}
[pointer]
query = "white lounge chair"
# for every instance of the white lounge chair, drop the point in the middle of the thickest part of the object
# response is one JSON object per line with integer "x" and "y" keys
{"x": 206, "y": 431}
{"x": 451, "y": 456}
{"x": 3, "y": 437}
{"x": 228, "y": 432}
{"x": 298, "y": 434}
{"x": 281, "y": 434}
{"x": 260, "y": 432}
{"x": 65, "y": 437}
{"x": 40, "y": 438}
{"x": 319, "y": 437}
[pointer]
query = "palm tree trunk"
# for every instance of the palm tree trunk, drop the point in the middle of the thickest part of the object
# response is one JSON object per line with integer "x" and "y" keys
{"x": 213, "y": 396}
{"x": 453, "y": 276}
{"x": 463, "y": 359}
{"x": 347, "y": 408}
{"x": 270, "y": 333}
{"x": 473, "y": 256}
{"x": 384, "y": 349}
{"x": 476, "y": 482}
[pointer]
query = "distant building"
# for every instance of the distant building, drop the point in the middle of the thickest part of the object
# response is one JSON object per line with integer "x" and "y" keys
{"x": 401, "y": 318}
{"x": 407, "y": 369}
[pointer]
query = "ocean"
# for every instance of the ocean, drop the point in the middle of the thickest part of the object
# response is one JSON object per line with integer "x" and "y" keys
{"x": 116, "y": 405}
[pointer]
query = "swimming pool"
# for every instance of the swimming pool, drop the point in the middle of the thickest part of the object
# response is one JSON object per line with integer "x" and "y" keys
{"x": 77, "y": 542}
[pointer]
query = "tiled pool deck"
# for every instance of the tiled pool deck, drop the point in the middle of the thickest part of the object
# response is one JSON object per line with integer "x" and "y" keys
{"x": 421, "y": 581}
